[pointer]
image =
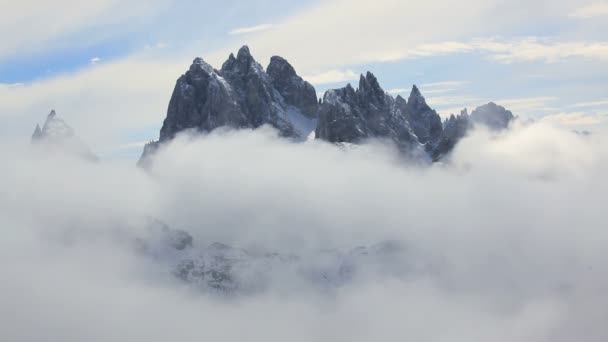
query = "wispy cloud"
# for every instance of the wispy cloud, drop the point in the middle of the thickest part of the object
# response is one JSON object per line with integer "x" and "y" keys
{"x": 595, "y": 9}
{"x": 95, "y": 60}
{"x": 445, "y": 84}
{"x": 590, "y": 104}
{"x": 573, "y": 119}
{"x": 332, "y": 76}
{"x": 251, "y": 29}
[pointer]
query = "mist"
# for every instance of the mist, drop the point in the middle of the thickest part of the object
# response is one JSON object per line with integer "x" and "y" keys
{"x": 513, "y": 225}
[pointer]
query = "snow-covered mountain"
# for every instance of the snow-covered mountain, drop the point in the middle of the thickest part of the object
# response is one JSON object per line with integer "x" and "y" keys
{"x": 217, "y": 267}
{"x": 57, "y": 136}
{"x": 244, "y": 95}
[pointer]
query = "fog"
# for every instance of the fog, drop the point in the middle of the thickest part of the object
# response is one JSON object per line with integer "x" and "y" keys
{"x": 515, "y": 220}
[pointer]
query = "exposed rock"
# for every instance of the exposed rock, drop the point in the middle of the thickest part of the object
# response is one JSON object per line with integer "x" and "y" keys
{"x": 243, "y": 95}
{"x": 424, "y": 121}
{"x": 352, "y": 116}
{"x": 220, "y": 268}
{"x": 454, "y": 129}
{"x": 240, "y": 95}
{"x": 493, "y": 116}
{"x": 57, "y": 136}
{"x": 295, "y": 91}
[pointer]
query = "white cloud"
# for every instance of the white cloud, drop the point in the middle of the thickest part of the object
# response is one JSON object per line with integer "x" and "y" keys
{"x": 590, "y": 104}
{"x": 252, "y": 29}
{"x": 591, "y": 10}
{"x": 573, "y": 119}
{"x": 54, "y": 23}
{"x": 332, "y": 76}
{"x": 515, "y": 227}
{"x": 102, "y": 103}
{"x": 445, "y": 84}
{"x": 95, "y": 60}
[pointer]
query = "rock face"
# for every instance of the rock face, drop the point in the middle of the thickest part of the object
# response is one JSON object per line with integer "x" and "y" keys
{"x": 240, "y": 95}
{"x": 244, "y": 95}
{"x": 454, "y": 129}
{"x": 349, "y": 115}
{"x": 425, "y": 122}
{"x": 295, "y": 91}
{"x": 223, "y": 269}
{"x": 57, "y": 136}
{"x": 493, "y": 116}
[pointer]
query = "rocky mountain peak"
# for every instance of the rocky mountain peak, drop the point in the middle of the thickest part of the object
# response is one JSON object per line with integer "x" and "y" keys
{"x": 294, "y": 90}
{"x": 370, "y": 90}
{"x": 492, "y": 116}
{"x": 242, "y": 94}
{"x": 416, "y": 101}
{"x": 279, "y": 68}
{"x": 57, "y": 135}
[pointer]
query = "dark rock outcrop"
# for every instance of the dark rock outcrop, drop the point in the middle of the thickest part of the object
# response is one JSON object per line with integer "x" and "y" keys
{"x": 352, "y": 116}
{"x": 493, "y": 116}
{"x": 295, "y": 91}
{"x": 424, "y": 121}
{"x": 244, "y": 95}
{"x": 454, "y": 129}
{"x": 240, "y": 95}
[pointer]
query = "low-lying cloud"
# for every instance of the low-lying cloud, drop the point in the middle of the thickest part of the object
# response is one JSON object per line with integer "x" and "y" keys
{"x": 516, "y": 221}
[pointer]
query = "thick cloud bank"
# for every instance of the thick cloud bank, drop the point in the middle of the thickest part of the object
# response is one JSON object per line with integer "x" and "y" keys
{"x": 514, "y": 226}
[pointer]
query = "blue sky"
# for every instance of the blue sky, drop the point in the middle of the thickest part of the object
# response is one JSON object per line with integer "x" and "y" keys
{"x": 108, "y": 66}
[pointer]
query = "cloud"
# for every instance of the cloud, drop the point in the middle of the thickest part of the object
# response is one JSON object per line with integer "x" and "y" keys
{"x": 95, "y": 60}
{"x": 57, "y": 28}
{"x": 573, "y": 119}
{"x": 332, "y": 76}
{"x": 104, "y": 103}
{"x": 595, "y": 9}
{"x": 251, "y": 29}
{"x": 519, "y": 239}
{"x": 590, "y": 104}
{"x": 444, "y": 84}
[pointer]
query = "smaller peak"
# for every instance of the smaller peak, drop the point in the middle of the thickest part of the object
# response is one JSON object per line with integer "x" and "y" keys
{"x": 464, "y": 112}
{"x": 280, "y": 67}
{"x": 37, "y": 133}
{"x": 198, "y": 60}
{"x": 52, "y": 114}
{"x": 244, "y": 52}
{"x": 415, "y": 91}
{"x": 370, "y": 76}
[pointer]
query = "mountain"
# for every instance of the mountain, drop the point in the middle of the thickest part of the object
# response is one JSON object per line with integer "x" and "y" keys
{"x": 240, "y": 95}
{"x": 243, "y": 95}
{"x": 57, "y": 136}
{"x": 349, "y": 115}
{"x": 492, "y": 116}
{"x": 220, "y": 268}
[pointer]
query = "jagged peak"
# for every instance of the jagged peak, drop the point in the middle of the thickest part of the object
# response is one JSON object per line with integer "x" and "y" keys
{"x": 279, "y": 65}
{"x": 242, "y": 63}
{"x": 244, "y": 52}
{"x": 51, "y": 115}
{"x": 416, "y": 100}
{"x": 369, "y": 87}
{"x": 37, "y": 133}
{"x": 415, "y": 91}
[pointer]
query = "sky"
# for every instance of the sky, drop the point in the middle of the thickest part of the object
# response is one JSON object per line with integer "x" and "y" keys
{"x": 108, "y": 67}
{"x": 506, "y": 237}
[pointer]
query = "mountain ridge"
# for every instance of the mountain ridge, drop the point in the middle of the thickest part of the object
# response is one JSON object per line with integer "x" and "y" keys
{"x": 242, "y": 94}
